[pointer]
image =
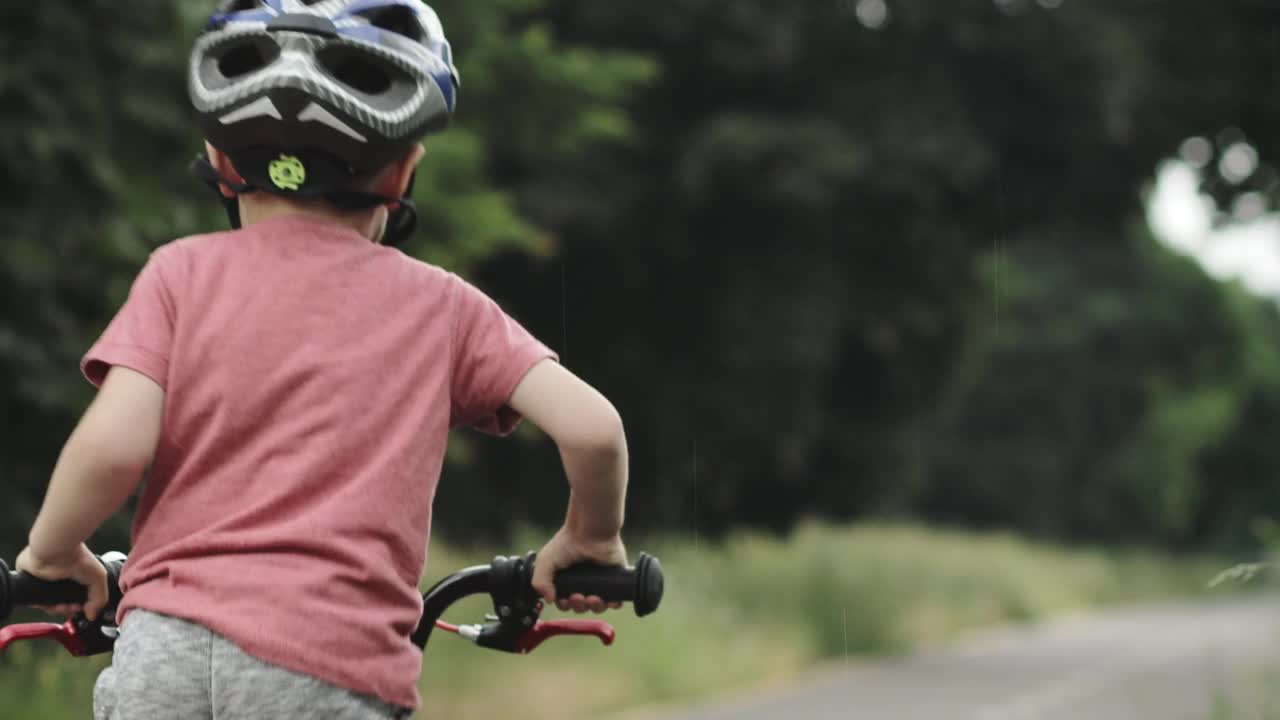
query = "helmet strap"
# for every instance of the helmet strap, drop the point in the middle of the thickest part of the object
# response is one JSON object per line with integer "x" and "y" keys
{"x": 402, "y": 216}
{"x": 209, "y": 175}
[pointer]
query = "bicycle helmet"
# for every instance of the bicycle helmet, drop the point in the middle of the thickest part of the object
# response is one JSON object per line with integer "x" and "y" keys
{"x": 307, "y": 96}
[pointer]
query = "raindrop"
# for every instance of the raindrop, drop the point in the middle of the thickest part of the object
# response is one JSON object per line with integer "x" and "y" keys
{"x": 873, "y": 14}
{"x": 1238, "y": 163}
{"x": 1249, "y": 207}
{"x": 1196, "y": 152}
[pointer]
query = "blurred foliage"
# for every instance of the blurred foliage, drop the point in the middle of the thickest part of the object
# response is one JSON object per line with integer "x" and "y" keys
{"x": 1093, "y": 402}
{"x": 826, "y": 263}
{"x": 903, "y": 271}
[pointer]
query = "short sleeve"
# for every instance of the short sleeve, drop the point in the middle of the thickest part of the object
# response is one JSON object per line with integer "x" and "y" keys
{"x": 140, "y": 337}
{"x": 491, "y": 355}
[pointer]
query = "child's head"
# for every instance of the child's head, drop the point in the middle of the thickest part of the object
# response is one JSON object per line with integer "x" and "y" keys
{"x": 320, "y": 107}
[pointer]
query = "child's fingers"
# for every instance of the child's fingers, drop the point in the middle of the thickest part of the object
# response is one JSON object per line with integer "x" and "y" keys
{"x": 578, "y": 603}
{"x": 607, "y": 606}
{"x": 581, "y": 604}
{"x": 98, "y": 596}
{"x": 544, "y": 581}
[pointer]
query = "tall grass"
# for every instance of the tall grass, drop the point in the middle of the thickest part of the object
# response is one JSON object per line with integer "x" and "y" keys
{"x": 750, "y": 610}
{"x": 1256, "y": 696}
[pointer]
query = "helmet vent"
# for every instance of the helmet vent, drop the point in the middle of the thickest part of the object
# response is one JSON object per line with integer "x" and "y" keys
{"x": 232, "y": 6}
{"x": 245, "y": 58}
{"x": 356, "y": 70}
{"x": 399, "y": 19}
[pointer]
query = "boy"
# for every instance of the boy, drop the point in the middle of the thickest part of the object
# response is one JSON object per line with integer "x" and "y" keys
{"x": 291, "y": 384}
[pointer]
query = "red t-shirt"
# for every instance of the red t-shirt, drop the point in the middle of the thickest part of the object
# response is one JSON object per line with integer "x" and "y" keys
{"x": 311, "y": 379}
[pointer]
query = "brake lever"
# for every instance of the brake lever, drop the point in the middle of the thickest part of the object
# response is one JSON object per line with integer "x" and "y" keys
{"x": 80, "y": 636}
{"x": 544, "y": 630}
{"x": 64, "y": 634}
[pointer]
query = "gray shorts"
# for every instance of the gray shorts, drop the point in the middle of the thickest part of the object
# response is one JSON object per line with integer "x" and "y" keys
{"x": 166, "y": 668}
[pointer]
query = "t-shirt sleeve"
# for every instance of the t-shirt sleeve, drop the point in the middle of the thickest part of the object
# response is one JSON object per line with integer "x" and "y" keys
{"x": 140, "y": 337}
{"x": 491, "y": 355}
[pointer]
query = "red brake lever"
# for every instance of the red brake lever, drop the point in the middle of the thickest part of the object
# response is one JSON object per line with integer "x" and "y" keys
{"x": 546, "y": 629}
{"x": 64, "y": 634}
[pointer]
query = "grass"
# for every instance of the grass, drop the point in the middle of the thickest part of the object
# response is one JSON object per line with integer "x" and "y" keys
{"x": 1253, "y": 696}
{"x": 749, "y": 611}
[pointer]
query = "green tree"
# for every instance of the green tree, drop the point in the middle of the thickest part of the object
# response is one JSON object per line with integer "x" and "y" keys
{"x": 1088, "y": 407}
{"x": 781, "y": 281}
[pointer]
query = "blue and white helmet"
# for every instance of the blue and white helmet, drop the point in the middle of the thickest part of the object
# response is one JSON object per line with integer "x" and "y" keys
{"x": 340, "y": 87}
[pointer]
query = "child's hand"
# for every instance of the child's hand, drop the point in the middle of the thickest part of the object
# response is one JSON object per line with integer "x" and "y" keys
{"x": 565, "y": 550}
{"x": 81, "y": 567}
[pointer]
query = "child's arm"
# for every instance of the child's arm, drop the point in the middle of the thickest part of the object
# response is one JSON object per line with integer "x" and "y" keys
{"x": 99, "y": 468}
{"x": 593, "y": 447}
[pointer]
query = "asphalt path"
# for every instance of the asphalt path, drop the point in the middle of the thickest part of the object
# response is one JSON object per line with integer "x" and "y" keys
{"x": 1174, "y": 662}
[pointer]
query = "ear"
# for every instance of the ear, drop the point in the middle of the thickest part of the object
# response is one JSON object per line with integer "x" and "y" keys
{"x": 397, "y": 181}
{"x": 222, "y": 164}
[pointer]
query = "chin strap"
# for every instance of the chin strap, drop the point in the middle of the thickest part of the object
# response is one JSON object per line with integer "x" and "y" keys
{"x": 402, "y": 216}
{"x": 402, "y": 220}
{"x": 204, "y": 170}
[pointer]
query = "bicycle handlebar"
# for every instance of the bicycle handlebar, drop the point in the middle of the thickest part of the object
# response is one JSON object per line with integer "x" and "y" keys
{"x": 517, "y": 607}
{"x": 506, "y": 581}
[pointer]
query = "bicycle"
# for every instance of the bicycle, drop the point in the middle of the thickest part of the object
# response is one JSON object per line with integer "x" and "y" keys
{"x": 514, "y": 627}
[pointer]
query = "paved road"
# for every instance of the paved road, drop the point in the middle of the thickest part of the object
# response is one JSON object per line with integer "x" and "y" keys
{"x": 1165, "y": 663}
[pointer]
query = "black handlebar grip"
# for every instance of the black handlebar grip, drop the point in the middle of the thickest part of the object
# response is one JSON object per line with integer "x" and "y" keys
{"x": 30, "y": 590}
{"x": 20, "y": 589}
{"x": 642, "y": 585}
{"x": 23, "y": 589}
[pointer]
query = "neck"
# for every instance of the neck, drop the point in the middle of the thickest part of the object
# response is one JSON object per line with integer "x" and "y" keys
{"x": 259, "y": 207}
